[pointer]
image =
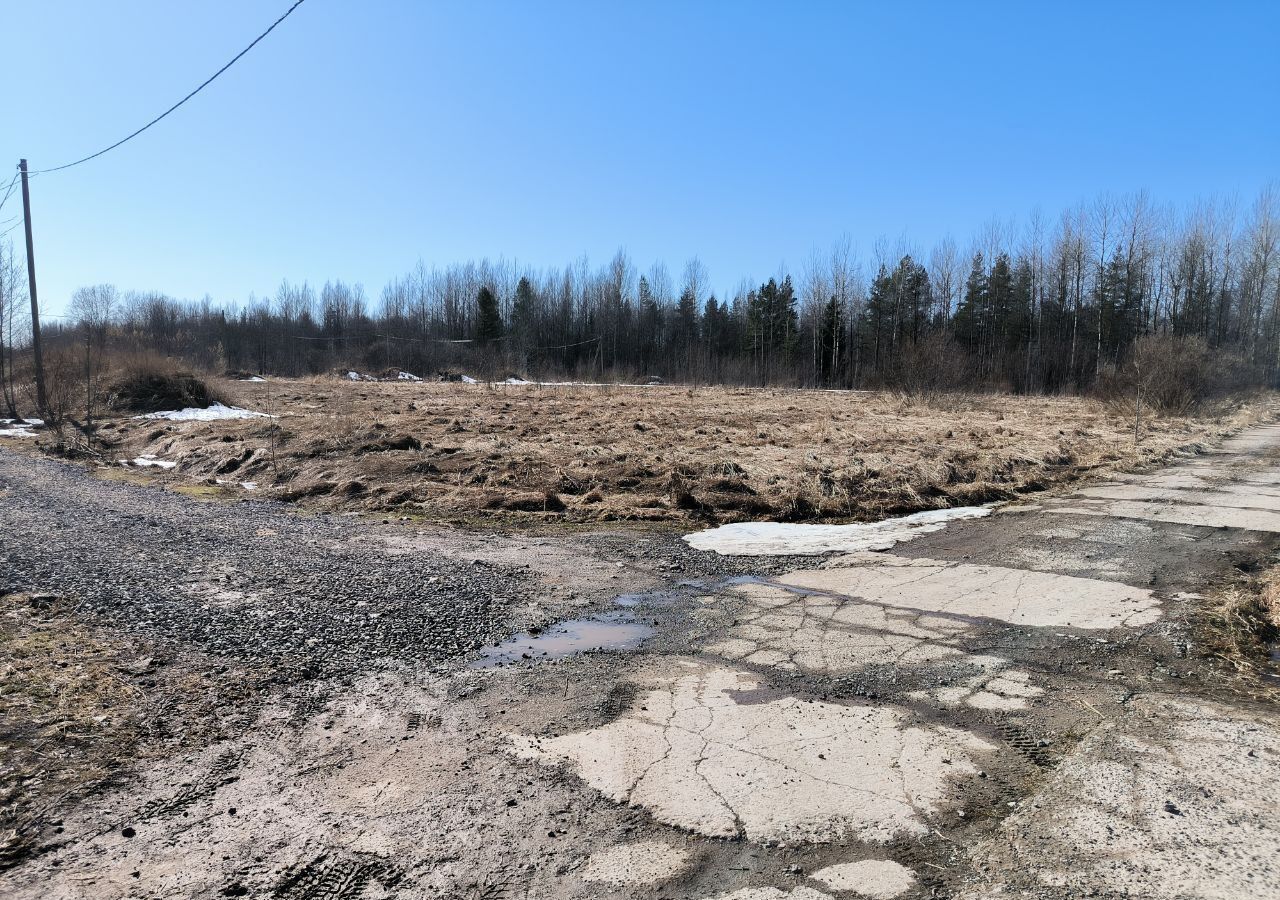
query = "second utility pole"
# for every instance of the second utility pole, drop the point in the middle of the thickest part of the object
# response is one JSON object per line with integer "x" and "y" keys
{"x": 41, "y": 402}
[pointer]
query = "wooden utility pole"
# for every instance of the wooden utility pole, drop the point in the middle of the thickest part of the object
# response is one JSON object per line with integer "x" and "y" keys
{"x": 41, "y": 403}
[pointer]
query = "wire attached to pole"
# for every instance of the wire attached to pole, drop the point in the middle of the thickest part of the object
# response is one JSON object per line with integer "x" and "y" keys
{"x": 205, "y": 84}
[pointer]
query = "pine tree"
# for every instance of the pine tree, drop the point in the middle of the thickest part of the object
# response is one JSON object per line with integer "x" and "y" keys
{"x": 523, "y": 312}
{"x": 687, "y": 319}
{"x": 970, "y": 317}
{"x": 488, "y": 316}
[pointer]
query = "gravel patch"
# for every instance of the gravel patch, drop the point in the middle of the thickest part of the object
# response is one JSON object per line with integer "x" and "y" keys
{"x": 251, "y": 581}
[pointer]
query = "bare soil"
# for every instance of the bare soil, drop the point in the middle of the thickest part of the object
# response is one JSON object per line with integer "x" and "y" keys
{"x": 457, "y": 452}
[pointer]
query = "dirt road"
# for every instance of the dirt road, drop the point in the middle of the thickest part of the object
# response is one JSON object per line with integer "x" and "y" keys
{"x": 1014, "y": 706}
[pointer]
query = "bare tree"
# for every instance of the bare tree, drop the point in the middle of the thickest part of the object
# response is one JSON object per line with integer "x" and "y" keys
{"x": 13, "y": 304}
{"x": 93, "y": 307}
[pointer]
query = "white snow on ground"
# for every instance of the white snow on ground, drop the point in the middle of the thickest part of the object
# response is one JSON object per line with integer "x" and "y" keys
{"x": 247, "y": 485}
{"x": 12, "y": 428}
{"x": 467, "y": 379}
{"x": 516, "y": 381}
{"x": 407, "y": 376}
{"x": 786, "y": 539}
{"x": 150, "y": 460}
{"x": 256, "y": 379}
{"x": 209, "y": 414}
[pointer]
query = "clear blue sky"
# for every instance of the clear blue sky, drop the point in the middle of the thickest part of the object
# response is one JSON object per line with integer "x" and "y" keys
{"x": 362, "y": 136}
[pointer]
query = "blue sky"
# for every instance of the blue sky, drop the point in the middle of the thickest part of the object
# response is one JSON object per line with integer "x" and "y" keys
{"x": 360, "y": 137}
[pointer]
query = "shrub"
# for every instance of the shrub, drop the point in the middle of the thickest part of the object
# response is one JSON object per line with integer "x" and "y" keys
{"x": 146, "y": 384}
{"x": 1176, "y": 375}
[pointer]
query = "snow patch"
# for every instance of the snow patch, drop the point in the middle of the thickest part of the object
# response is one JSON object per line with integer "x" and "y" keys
{"x": 407, "y": 376}
{"x": 254, "y": 379}
{"x": 467, "y": 379}
{"x": 16, "y": 429}
{"x": 514, "y": 380}
{"x": 786, "y": 539}
{"x": 212, "y": 413}
{"x": 148, "y": 460}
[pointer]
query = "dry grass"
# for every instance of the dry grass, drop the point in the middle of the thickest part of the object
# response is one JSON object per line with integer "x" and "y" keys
{"x": 457, "y": 452}
{"x": 1244, "y": 622}
{"x": 79, "y": 706}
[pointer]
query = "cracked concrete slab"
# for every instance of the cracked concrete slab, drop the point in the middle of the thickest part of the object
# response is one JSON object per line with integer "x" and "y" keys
{"x": 1230, "y": 497}
{"x": 772, "y": 893}
{"x": 644, "y": 862}
{"x": 1003, "y": 691}
{"x": 1176, "y": 513}
{"x": 879, "y": 879}
{"x": 876, "y": 609}
{"x": 708, "y": 749}
{"x": 941, "y": 591}
{"x": 1177, "y": 799}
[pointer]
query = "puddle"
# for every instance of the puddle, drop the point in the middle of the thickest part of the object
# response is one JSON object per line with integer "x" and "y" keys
{"x": 618, "y": 630}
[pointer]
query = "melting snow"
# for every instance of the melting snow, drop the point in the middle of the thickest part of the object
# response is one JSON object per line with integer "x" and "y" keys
{"x": 786, "y": 539}
{"x": 467, "y": 379}
{"x": 14, "y": 428}
{"x": 149, "y": 459}
{"x": 208, "y": 414}
{"x": 407, "y": 376}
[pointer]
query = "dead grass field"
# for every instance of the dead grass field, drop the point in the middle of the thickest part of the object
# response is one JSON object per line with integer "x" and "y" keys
{"x": 458, "y": 452}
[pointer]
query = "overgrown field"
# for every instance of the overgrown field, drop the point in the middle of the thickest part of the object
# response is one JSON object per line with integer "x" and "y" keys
{"x": 459, "y": 452}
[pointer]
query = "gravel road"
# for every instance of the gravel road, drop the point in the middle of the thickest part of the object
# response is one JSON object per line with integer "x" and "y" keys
{"x": 250, "y": 580}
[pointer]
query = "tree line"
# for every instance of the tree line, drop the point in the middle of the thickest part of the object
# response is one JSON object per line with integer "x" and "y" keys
{"x": 1046, "y": 307}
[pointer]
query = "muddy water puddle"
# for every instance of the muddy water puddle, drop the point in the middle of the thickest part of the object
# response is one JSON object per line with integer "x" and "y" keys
{"x": 614, "y": 630}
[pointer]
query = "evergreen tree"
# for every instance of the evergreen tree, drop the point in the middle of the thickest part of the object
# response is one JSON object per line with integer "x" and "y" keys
{"x": 686, "y": 330}
{"x": 970, "y": 326}
{"x": 488, "y": 316}
{"x": 524, "y": 311}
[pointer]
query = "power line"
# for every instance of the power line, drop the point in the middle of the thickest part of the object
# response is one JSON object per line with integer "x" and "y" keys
{"x": 205, "y": 84}
{"x": 12, "y": 182}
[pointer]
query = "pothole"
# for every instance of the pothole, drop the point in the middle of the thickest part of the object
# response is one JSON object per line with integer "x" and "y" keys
{"x": 614, "y": 630}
